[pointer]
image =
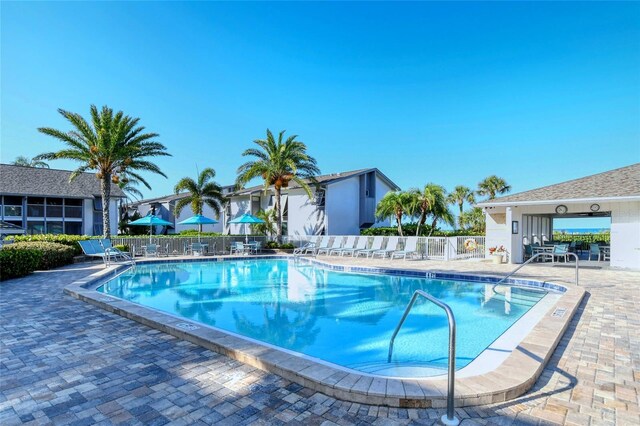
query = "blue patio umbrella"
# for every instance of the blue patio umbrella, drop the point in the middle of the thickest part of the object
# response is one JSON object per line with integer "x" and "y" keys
{"x": 247, "y": 219}
{"x": 198, "y": 220}
{"x": 150, "y": 221}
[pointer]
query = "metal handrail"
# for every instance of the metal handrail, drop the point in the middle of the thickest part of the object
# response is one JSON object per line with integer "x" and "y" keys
{"x": 537, "y": 255}
{"x": 449, "y": 418}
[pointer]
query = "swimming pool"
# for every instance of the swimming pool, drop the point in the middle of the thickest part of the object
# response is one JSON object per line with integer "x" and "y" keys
{"x": 341, "y": 318}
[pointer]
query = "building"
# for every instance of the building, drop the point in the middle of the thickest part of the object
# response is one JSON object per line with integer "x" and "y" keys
{"x": 43, "y": 201}
{"x": 530, "y": 214}
{"x": 164, "y": 207}
{"x": 341, "y": 204}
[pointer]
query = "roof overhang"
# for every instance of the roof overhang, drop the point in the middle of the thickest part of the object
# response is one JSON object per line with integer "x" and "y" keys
{"x": 563, "y": 201}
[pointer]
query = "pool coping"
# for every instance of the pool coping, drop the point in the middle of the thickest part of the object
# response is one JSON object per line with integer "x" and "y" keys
{"x": 512, "y": 378}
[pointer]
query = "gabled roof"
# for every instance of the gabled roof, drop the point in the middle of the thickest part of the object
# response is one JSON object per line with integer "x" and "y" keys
{"x": 622, "y": 183}
{"x": 20, "y": 180}
{"x": 327, "y": 179}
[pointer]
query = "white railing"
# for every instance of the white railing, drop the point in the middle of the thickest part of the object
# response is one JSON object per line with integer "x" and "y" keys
{"x": 434, "y": 248}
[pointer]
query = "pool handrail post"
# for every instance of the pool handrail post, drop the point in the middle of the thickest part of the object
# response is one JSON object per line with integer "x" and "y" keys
{"x": 449, "y": 419}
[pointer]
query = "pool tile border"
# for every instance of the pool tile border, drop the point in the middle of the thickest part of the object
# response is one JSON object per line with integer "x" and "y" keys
{"x": 512, "y": 378}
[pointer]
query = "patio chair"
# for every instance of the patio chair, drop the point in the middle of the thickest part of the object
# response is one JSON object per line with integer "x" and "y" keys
{"x": 309, "y": 244}
{"x": 151, "y": 250}
{"x": 594, "y": 250}
{"x": 560, "y": 252}
{"x": 410, "y": 248}
{"x": 323, "y": 242}
{"x": 362, "y": 245}
{"x": 392, "y": 245}
{"x": 375, "y": 245}
{"x": 528, "y": 251}
{"x": 349, "y": 244}
{"x": 337, "y": 243}
{"x": 197, "y": 249}
{"x": 257, "y": 247}
{"x": 90, "y": 250}
{"x": 237, "y": 247}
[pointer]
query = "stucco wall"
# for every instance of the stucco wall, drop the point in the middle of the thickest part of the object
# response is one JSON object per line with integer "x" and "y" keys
{"x": 239, "y": 206}
{"x": 381, "y": 190}
{"x": 207, "y": 212}
{"x": 343, "y": 208}
{"x": 304, "y": 217}
{"x": 625, "y": 235}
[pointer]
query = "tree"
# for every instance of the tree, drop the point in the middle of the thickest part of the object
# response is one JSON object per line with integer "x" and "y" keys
{"x": 492, "y": 186}
{"x": 268, "y": 228}
{"x": 200, "y": 192}
{"x": 23, "y": 161}
{"x": 395, "y": 205}
{"x": 279, "y": 162}
{"x": 440, "y": 213}
{"x": 113, "y": 145}
{"x": 474, "y": 220}
{"x": 459, "y": 196}
{"x": 431, "y": 198}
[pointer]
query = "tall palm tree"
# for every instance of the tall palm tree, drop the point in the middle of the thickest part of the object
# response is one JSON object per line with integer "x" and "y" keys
{"x": 440, "y": 213}
{"x": 474, "y": 219}
{"x": 425, "y": 202}
{"x": 21, "y": 160}
{"x": 395, "y": 205}
{"x": 459, "y": 196}
{"x": 112, "y": 145}
{"x": 492, "y": 186}
{"x": 200, "y": 192}
{"x": 279, "y": 162}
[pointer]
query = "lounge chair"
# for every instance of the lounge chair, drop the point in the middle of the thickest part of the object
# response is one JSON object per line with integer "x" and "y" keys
{"x": 90, "y": 250}
{"x": 376, "y": 245}
{"x": 362, "y": 245}
{"x": 349, "y": 244}
{"x": 323, "y": 243}
{"x": 594, "y": 250}
{"x": 110, "y": 250}
{"x": 410, "y": 248}
{"x": 337, "y": 243}
{"x": 309, "y": 244}
{"x": 392, "y": 245}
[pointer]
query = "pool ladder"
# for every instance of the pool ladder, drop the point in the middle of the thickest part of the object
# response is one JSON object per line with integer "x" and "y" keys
{"x": 540, "y": 255}
{"x": 449, "y": 419}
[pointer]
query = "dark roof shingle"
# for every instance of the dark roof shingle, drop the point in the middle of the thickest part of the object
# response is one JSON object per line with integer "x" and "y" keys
{"x": 622, "y": 182}
{"x": 20, "y": 180}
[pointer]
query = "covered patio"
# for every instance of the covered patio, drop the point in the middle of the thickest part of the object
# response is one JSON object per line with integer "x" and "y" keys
{"x": 526, "y": 218}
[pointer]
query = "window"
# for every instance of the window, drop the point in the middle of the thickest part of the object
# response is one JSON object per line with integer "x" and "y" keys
{"x": 35, "y": 227}
{"x": 73, "y": 228}
{"x": 270, "y": 201}
{"x": 97, "y": 204}
{"x": 12, "y": 206}
{"x": 54, "y": 207}
{"x": 35, "y": 207}
{"x": 13, "y": 211}
{"x": 318, "y": 199}
{"x": 55, "y": 228}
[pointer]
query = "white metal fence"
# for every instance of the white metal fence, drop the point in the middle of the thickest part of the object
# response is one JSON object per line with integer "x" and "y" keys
{"x": 435, "y": 248}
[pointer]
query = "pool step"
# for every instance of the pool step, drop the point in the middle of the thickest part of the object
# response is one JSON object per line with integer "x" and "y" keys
{"x": 403, "y": 369}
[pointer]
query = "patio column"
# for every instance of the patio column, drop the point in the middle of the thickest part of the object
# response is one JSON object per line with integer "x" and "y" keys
{"x": 514, "y": 240}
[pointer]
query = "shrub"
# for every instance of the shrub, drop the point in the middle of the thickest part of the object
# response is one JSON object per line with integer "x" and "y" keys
{"x": 67, "y": 240}
{"x": 274, "y": 245}
{"x": 52, "y": 255}
{"x": 409, "y": 230}
{"x": 121, "y": 247}
{"x": 18, "y": 262}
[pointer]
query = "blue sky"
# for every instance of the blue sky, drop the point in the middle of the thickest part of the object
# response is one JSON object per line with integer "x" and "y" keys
{"x": 537, "y": 93}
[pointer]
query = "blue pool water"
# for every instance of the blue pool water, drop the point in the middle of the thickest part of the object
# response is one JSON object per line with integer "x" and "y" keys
{"x": 343, "y": 318}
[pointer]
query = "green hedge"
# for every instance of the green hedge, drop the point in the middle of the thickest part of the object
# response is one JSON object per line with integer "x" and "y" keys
{"x": 275, "y": 245}
{"x": 585, "y": 238}
{"x": 67, "y": 240}
{"x": 18, "y": 262}
{"x": 410, "y": 230}
{"x": 53, "y": 254}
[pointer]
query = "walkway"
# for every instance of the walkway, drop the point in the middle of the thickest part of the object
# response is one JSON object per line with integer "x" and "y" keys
{"x": 67, "y": 362}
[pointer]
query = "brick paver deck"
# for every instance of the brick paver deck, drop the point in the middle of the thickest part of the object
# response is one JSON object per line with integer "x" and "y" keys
{"x": 67, "y": 362}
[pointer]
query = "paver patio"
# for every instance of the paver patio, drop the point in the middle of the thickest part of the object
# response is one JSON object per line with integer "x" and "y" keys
{"x": 67, "y": 362}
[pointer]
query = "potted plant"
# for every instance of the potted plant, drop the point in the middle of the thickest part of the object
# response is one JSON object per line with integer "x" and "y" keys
{"x": 497, "y": 253}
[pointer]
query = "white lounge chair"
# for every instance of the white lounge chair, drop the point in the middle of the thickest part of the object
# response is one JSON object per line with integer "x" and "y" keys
{"x": 309, "y": 244}
{"x": 323, "y": 243}
{"x": 392, "y": 245}
{"x": 337, "y": 243}
{"x": 349, "y": 244}
{"x": 410, "y": 248}
{"x": 375, "y": 245}
{"x": 362, "y": 245}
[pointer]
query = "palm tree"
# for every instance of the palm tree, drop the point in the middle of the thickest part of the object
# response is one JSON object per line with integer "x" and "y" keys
{"x": 21, "y": 160}
{"x": 474, "y": 219}
{"x": 279, "y": 162}
{"x": 395, "y": 205}
{"x": 200, "y": 192}
{"x": 430, "y": 199}
{"x": 268, "y": 228}
{"x": 492, "y": 186}
{"x": 440, "y": 213}
{"x": 113, "y": 145}
{"x": 459, "y": 196}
